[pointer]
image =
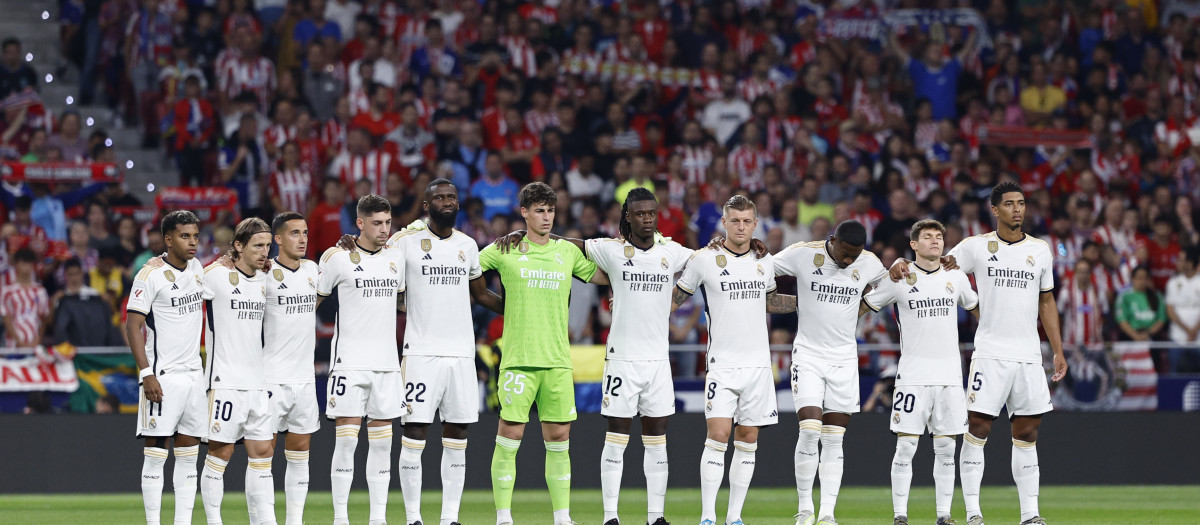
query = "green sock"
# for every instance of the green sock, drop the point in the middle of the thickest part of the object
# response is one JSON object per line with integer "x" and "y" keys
{"x": 504, "y": 471}
{"x": 558, "y": 473}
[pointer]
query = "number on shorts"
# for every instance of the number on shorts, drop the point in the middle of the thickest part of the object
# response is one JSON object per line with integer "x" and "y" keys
{"x": 150, "y": 408}
{"x": 905, "y": 402}
{"x": 712, "y": 390}
{"x": 221, "y": 410}
{"x": 516, "y": 380}
{"x": 611, "y": 384}
{"x": 977, "y": 382}
{"x": 413, "y": 392}
{"x": 337, "y": 386}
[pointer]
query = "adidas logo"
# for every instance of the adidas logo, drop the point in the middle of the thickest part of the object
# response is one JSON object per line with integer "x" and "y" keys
{"x": 914, "y": 290}
{"x": 358, "y": 268}
{"x": 629, "y": 263}
{"x": 724, "y": 273}
{"x": 175, "y": 286}
{"x": 237, "y": 292}
{"x": 504, "y": 478}
{"x": 282, "y": 286}
{"x": 818, "y": 272}
{"x": 427, "y": 257}
{"x": 218, "y": 378}
{"x": 994, "y": 259}
{"x": 523, "y": 259}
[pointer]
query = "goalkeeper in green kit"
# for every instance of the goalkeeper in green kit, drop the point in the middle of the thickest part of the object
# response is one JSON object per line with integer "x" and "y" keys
{"x": 535, "y": 367}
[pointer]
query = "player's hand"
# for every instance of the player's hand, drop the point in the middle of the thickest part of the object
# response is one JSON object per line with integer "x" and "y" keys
{"x": 899, "y": 270}
{"x": 347, "y": 242}
{"x": 225, "y": 260}
{"x": 949, "y": 263}
{"x": 153, "y": 390}
{"x": 715, "y": 243}
{"x": 1060, "y": 367}
{"x": 505, "y": 243}
{"x": 759, "y": 247}
{"x": 155, "y": 262}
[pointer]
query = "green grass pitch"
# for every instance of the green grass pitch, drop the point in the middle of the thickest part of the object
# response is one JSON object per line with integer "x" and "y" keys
{"x": 1060, "y": 505}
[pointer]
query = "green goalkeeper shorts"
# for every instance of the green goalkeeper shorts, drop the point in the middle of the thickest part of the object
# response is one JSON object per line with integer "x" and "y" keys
{"x": 552, "y": 389}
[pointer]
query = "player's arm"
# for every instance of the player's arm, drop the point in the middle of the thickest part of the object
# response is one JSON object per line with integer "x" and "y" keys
{"x": 1048, "y": 313}
{"x": 599, "y": 278}
{"x": 137, "y": 344}
{"x": 778, "y": 303}
{"x": 485, "y": 296}
{"x": 678, "y": 297}
{"x": 507, "y": 242}
{"x": 400, "y": 304}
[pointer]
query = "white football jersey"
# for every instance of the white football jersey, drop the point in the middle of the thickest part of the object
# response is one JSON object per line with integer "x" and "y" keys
{"x": 1010, "y": 279}
{"x": 641, "y": 284}
{"x": 364, "y": 336}
{"x": 291, "y": 325}
{"x": 927, "y": 312}
{"x": 172, "y": 300}
{"x": 827, "y": 299}
{"x": 734, "y": 288}
{"x": 438, "y": 273}
{"x": 237, "y": 305}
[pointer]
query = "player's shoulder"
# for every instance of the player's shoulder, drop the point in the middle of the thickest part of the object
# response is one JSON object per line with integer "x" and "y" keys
{"x": 331, "y": 254}
{"x": 403, "y": 234}
{"x": 308, "y": 265}
{"x": 803, "y": 246}
{"x": 1038, "y": 244}
{"x": 975, "y": 239}
{"x": 565, "y": 246}
{"x": 147, "y": 273}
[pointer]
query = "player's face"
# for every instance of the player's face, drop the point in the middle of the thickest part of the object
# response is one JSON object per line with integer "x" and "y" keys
{"x": 375, "y": 229}
{"x": 928, "y": 245}
{"x": 255, "y": 252}
{"x": 1011, "y": 210}
{"x": 441, "y": 203}
{"x": 182, "y": 242}
{"x": 293, "y": 241}
{"x": 844, "y": 254}
{"x": 539, "y": 218}
{"x": 739, "y": 224}
{"x": 643, "y": 218}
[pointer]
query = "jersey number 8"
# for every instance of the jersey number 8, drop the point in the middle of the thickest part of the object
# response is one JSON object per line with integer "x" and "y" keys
{"x": 516, "y": 380}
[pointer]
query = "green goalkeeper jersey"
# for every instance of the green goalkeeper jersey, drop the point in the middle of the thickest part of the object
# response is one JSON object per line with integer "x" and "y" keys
{"x": 537, "y": 290}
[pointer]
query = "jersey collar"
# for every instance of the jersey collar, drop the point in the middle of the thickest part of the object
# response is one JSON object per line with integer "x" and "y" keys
{"x": 168, "y": 263}
{"x": 735, "y": 254}
{"x": 926, "y": 272}
{"x": 1023, "y": 237}
{"x": 364, "y": 250}
{"x": 248, "y": 276}
{"x": 281, "y": 265}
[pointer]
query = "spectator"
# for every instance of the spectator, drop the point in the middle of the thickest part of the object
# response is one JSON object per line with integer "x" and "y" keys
{"x": 154, "y": 247}
{"x": 410, "y": 144}
{"x": 1183, "y": 309}
{"x": 108, "y": 279}
{"x": 291, "y": 187}
{"x": 936, "y": 78}
{"x": 80, "y": 314}
{"x": 16, "y": 75}
{"x": 496, "y": 190}
{"x": 323, "y": 85}
{"x": 1083, "y": 309}
{"x": 358, "y": 162}
{"x": 1040, "y": 98}
{"x": 723, "y": 116}
{"x": 243, "y": 164}
{"x": 325, "y": 219}
{"x": 641, "y": 169}
{"x": 435, "y": 59}
{"x": 316, "y": 27}
{"x": 1141, "y": 313}
{"x": 810, "y": 207}
{"x": 24, "y": 304}
{"x": 69, "y": 140}
{"x": 194, "y": 126}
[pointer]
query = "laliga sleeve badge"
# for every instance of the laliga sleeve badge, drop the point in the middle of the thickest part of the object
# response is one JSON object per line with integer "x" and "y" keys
{"x": 278, "y": 274}
{"x": 993, "y": 246}
{"x": 355, "y": 257}
{"x": 911, "y": 279}
{"x": 721, "y": 261}
{"x": 169, "y": 275}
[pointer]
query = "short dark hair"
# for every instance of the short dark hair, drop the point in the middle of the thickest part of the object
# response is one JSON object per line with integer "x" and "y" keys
{"x": 281, "y": 219}
{"x": 438, "y": 182}
{"x": 925, "y": 224}
{"x": 11, "y": 41}
{"x": 246, "y": 230}
{"x": 177, "y": 218}
{"x": 851, "y": 232}
{"x": 72, "y": 263}
{"x": 371, "y": 204}
{"x": 25, "y": 255}
{"x": 536, "y": 193}
{"x": 23, "y": 202}
{"x": 739, "y": 203}
{"x": 1007, "y": 186}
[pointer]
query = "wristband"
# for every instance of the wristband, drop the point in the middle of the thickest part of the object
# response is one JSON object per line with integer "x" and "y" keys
{"x": 145, "y": 372}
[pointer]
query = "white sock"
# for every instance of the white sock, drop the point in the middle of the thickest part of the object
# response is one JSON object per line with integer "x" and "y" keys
{"x": 260, "y": 489}
{"x": 712, "y": 472}
{"x": 410, "y": 477}
{"x": 1027, "y": 476}
{"x": 612, "y": 465}
{"x": 454, "y": 476}
{"x": 654, "y": 464}
{"x": 830, "y": 469}
{"x": 806, "y": 461}
{"x": 740, "y": 473}
{"x": 212, "y": 487}
{"x": 295, "y": 485}
{"x": 970, "y": 467}
{"x": 185, "y": 479}
{"x": 562, "y": 516}
{"x": 250, "y": 508}
{"x": 379, "y": 471}
{"x": 341, "y": 474}
{"x": 943, "y": 473}
{"x": 153, "y": 459}
{"x": 906, "y": 447}
{"x": 503, "y": 516}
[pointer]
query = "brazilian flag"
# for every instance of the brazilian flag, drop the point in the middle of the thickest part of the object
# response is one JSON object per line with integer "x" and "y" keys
{"x": 103, "y": 374}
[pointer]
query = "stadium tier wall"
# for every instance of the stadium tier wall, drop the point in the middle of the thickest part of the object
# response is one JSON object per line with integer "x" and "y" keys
{"x": 92, "y": 453}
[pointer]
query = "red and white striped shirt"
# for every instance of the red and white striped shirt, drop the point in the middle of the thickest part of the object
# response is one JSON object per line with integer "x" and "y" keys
{"x": 425, "y": 111}
{"x": 751, "y": 88}
{"x": 1066, "y": 251}
{"x": 585, "y": 63}
{"x": 409, "y": 32}
{"x": 277, "y": 135}
{"x": 28, "y": 306}
{"x": 708, "y": 82}
{"x": 869, "y": 219}
{"x": 333, "y": 134}
{"x": 746, "y": 43}
{"x": 256, "y": 75}
{"x": 696, "y": 160}
{"x": 1124, "y": 242}
{"x": 780, "y": 131}
{"x": 747, "y": 164}
{"x": 1109, "y": 283}
{"x": 360, "y": 101}
{"x": 374, "y": 166}
{"x": 520, "y": 54}
{"x": 293, "y": 188}
{"x": 1083, "y": 312}
{"x": 537, "y": 121}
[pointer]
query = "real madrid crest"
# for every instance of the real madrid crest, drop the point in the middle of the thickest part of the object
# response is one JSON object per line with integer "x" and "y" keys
{"x": 558, "y": 258}
{"x": 332, "y": 403}
{"x": 993, "y": 246}
{"x": 355, "y": 257}
{"x": 759, "y": 269}
{"x": 854, "y": 275}
{"x": 1029, "y": 261}
{"x": 233, "y": 278}
{"x": 198, "y": 282}
{"x": 153, "y": 423}
{"x": 426, "y": 245}
{"x": 819, "y": 259}
{"x": 721, "y": 261}
{"x": 216, "y": 428}
{"x": 169, "y": 275}
{"x": 462, "y": 257}
{"x": 278, "y": 274}
{"x": 392, "y": 267}
{"x": 629, "y": 252}
{"x": 949, "y": 287}
{"x": 664, "y": 264}
{"x": 604, "y": 403}
{"x": 911, "y": 279}
{"x": 896, "y": 418}
{"x": 523, "y": 247}
{"x": 971, "y": 397}
{"x": 312, "y": 284}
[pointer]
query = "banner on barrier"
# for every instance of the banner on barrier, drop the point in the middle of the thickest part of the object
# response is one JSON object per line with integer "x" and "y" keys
{"x": 32, "y": 374}
{"x": 60, "y": 172}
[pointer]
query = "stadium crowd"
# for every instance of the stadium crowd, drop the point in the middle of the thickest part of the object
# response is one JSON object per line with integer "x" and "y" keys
{"x": 818, "y": 111}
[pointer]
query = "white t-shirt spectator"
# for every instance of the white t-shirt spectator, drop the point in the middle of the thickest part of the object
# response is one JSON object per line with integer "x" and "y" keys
{"x": 723, "y": 117}
{"x": 343, "y": 12}
{"x": 1183, "y": 295}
